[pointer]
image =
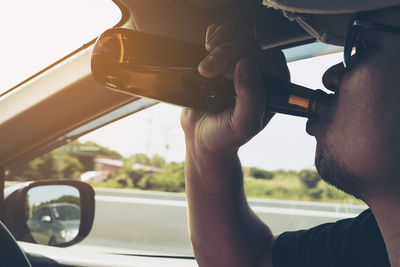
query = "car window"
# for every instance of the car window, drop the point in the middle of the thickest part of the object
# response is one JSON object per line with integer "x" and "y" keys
{"x": 66, "y": 213}
{"x": 136, "y": 165}
{"x": 36, "y": 215}
{"x": 44, "y": 212}
{"x": 28, "y": 48}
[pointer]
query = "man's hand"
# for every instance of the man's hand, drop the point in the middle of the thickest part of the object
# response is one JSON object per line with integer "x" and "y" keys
{"x": 234, "y": 53}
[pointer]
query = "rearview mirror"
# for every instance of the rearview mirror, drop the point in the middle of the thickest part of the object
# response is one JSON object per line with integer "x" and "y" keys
{"x": 57, "y": 213}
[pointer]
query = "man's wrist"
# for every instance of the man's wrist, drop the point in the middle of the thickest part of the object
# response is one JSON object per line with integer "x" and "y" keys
{"x": 213, "y": 168}
{"x": 202, "y": 155}
{"x": 200, "y": 150}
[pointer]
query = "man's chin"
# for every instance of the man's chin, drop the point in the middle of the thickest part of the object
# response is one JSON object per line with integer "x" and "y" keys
{"x": 334, "y": 173}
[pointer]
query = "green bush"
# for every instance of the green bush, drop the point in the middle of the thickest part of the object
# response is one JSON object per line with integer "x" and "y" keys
{"x": 147, "y": 182}
{"x": 257, "y": 188}
{"x": 171, "y": 178}
{"x": 309, "y": 178}
{"x": 122, "y": 182}
{"x": 315, "y": 193}
{"x": 115, "y": 182}
{"x": 135, "y": 176}
{"x": 260, "y": 173}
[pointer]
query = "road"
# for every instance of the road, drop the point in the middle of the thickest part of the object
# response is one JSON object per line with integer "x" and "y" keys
{"x": 143, "y": 222}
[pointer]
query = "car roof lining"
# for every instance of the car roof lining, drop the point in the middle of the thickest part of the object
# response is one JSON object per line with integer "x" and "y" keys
{"x": 181, "y": 19}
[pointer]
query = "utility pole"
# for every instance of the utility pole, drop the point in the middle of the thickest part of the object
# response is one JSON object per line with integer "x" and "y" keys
{"x": 149, "y": 120}
{"x": 167, "y": 130}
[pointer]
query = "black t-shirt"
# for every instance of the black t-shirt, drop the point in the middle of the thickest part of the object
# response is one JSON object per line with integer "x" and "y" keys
{"x": 350, "y": 242}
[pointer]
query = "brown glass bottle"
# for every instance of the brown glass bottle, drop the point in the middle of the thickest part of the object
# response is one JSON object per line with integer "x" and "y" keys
{"x": 164, "y": 69}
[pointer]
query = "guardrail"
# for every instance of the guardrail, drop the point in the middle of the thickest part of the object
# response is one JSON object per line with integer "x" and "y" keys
{"x": 156, "y": 222}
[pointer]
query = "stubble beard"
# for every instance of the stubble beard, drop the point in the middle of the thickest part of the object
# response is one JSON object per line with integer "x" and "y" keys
{"x": 334, "y": 173}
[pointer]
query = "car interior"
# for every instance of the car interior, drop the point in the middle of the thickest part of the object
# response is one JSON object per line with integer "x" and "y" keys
{"x": 64, "y": 101}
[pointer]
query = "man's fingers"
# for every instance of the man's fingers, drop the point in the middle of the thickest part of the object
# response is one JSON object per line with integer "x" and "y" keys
{"x": 249, "y": 115}
{"x": 229, "y": 70}
{"x": 273, "y": 62}
{"x": 210, "y": 31}
{"x": 226, "y": 54}
{"x": 252, "y": 89}
{"x": 188, "y": 119}
{"x": 229, "y": 30}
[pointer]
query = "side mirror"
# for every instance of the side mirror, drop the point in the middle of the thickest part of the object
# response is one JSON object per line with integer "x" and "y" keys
{"x": 51, "y": 212}
{"x": 45, "y": 219}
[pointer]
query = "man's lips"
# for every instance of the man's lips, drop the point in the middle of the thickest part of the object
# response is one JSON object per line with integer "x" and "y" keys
{"x": 311, "y": 125}
{"x": 324, "y": 111}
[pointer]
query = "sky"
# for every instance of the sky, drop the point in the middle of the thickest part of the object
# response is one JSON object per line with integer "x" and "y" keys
{"x": 37, "y": 33}
{"x": 46, "y": 193}
{"x": 46, "y": 34}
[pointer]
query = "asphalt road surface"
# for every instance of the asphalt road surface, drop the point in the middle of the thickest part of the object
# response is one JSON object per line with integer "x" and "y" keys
{"x": 131, "y": 221}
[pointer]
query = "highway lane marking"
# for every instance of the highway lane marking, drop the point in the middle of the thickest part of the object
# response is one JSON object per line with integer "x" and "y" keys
{"x": 146, "y": 201}
{"x": 354, "y": 208}
{"x": 270, "y": 210}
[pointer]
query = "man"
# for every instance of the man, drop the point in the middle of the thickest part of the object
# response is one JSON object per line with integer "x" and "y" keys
{"x": 357, "y": 135}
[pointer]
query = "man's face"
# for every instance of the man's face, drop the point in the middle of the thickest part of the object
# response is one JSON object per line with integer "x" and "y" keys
{"x": 358, "y": 133}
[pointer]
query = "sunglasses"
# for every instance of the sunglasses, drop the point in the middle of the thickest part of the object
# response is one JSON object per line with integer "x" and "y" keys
{"x": 354, "y": 41}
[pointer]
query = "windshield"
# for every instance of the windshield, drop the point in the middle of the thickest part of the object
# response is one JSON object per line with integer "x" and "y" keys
{"x": 55, "y": 29}
{"x": 136, "y": 165}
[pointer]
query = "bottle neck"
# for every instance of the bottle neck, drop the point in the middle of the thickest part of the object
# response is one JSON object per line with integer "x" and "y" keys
{"x": 294, "y": 100}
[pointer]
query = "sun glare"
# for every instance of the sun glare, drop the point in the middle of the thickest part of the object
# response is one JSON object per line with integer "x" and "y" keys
{"x": 35, "y": 34}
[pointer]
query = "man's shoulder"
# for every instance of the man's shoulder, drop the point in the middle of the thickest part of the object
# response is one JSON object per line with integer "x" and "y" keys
{"x": 347, "y": 242}
{"x": 349, "y": 228}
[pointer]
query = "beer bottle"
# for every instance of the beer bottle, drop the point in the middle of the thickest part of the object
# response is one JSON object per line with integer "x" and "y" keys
{"x": 165, "y": 70}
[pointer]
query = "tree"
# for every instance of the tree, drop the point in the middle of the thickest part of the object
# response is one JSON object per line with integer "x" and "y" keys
{"x": 67, "y": 166}
{"x": 25, "y": 171}
{"x": 67, "y": 199}
{"x": 141, "y": 159}
{"x": 171, "y": 178}
{"x": 157, "y": 161}
{"x": 135, "y": 176}
{"x": 45, "y": 167}
{"x": 87, "y": 162}
{"x": 147, "y": 182}
{"x": 53, "y": 165}
{"x": 103, "y": 151}
{"x": 62, "y": 163}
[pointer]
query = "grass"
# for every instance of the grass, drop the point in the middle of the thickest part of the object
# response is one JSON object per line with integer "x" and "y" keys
{"x": 283, "y": 186}
{"x": 289, "y": 187}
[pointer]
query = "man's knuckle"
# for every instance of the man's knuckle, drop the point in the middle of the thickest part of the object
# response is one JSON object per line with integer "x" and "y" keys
{"x": 210, "y": 28}
{"x": 243, "y": 64}
{"x": 228, "y": 49}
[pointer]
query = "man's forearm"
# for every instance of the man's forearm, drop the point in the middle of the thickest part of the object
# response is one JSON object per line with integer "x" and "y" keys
{"x": 223, "y": 229}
